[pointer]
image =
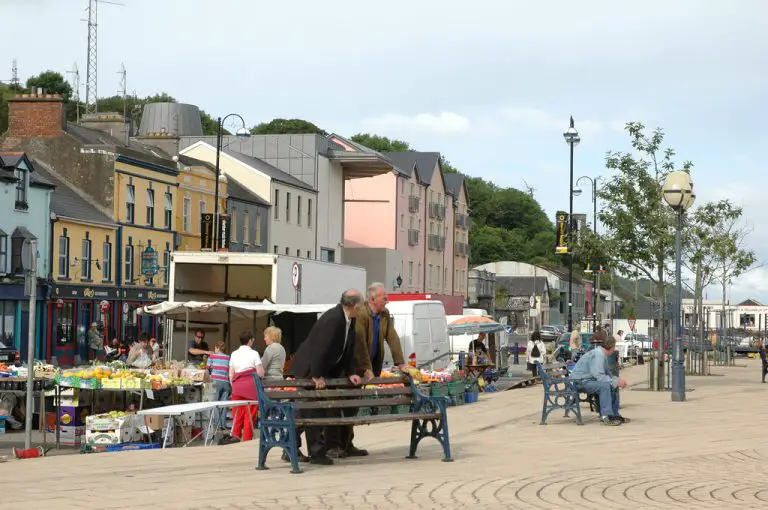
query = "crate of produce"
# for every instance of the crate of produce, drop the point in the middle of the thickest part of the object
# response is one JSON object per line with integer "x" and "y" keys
{"x": 383, "y": 410}
{"x": 455, "y": 387}
{"x": 439, "y": 389}
{"x": 401, "y": 409}
{"x": 77, "y": 382}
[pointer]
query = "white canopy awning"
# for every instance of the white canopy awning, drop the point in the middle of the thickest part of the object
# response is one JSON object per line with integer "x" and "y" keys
{"x": 216, "y": 311}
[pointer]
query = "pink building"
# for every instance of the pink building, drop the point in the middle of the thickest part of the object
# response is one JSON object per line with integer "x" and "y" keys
{"x": 404, "y": 225}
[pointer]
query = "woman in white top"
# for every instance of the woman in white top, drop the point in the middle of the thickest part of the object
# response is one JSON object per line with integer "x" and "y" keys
{"x": 244, "y": 364}
{"x": 535, "y": 351}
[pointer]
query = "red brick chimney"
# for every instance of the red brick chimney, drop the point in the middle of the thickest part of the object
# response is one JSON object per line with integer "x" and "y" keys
{"x": 36, "y": 115}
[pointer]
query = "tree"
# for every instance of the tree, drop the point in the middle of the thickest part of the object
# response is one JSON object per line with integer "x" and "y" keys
{"x": 380, "y": 143}
{"x": 639, "y": 225}
{"x": 287, "y": 127}
{"x": 52, "y": 83}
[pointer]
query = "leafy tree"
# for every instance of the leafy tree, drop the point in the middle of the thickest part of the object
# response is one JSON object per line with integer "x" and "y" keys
{"x": 287, "y": 127}
{"x": 52, "y": 82}
{"x": 380, "y": 143}
{"x": 210, "y": 125}
{"x": 639, "y": 225}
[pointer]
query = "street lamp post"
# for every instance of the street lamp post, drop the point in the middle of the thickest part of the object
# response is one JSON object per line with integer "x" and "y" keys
{"x": 576, "y": 192}
{"x": 242, "y": 132}
{"x": 572, "y": 139}
{"x": 678, "y": 193}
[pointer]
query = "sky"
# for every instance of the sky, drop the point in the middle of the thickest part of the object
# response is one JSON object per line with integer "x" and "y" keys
{"x": 490, "y": 84}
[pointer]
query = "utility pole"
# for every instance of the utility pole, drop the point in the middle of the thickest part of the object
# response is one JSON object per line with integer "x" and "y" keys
{"x": 31, "y": 284}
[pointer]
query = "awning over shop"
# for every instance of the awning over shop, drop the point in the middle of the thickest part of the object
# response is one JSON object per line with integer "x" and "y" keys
{"x": 222, "y": 311}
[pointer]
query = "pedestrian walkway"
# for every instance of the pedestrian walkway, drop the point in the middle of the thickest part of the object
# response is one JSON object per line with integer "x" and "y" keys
{"x": 708, "y": 452}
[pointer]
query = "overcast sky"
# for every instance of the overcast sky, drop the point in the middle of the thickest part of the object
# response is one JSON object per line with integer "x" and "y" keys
{"x": 490, "y": 84}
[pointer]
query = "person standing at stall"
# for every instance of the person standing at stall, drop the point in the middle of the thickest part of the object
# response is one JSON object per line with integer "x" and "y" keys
{"x": 218, "y": 368}
{"x": 244, "y": 363}
{"x": 328, "y": 352}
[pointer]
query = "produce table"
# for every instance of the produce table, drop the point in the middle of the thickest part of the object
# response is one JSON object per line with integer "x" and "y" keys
{"x": 19, "y": 388}
{"x": 171, "y": 412}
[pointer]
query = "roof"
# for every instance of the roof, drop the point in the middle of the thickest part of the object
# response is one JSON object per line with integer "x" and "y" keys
{"x": 186, "y": 160}
{"x": 23, "y": 233}
{"x": 10, "y": 160}
{"x": 453, "y": 183}
{"x": 67, "y": 203}
{"x": 522, "y": 285}
{"x": 750, "y": 302}
{"x": 424, "y": 163}
{"x": 238, "y": 191}
{"x": 562, "y": 273}
{"x": 272, "y": 172}
{"x": 94, "y": 137}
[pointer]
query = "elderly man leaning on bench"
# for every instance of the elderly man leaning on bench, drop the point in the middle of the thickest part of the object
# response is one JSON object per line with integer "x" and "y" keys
{"x": 592, "y": 375}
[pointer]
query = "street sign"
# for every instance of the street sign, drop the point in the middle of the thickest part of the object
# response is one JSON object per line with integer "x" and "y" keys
{"x": 532, "y": 301}
{"x": 296, "y": 275}
{"x": 632, "y": 321}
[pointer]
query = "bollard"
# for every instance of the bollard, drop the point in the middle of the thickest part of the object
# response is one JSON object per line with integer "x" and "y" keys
{"x": 652, "y": 373}
{"x": 517, "y": 354}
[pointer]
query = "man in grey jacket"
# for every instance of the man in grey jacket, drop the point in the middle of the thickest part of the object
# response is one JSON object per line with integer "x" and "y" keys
{"x": 592, "y": 375}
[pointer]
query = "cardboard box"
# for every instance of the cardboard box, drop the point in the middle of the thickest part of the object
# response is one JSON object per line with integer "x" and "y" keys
{"x": 70, "y": 416}
{"x": 107, "y": 437}
{"x": 71, "y": 436}
{"x": 103, "y": 422}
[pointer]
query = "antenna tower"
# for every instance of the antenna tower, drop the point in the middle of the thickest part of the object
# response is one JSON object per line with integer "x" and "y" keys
{"x": 91, "y": 96}
{"x": 15, "y": 74}
{"x": 123, "y": 74}
{"x": 75, "y": 72}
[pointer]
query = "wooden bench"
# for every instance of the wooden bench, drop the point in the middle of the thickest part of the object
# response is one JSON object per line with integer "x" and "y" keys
{"x": 281, "y": 402}
{"x": 561, "y": 393}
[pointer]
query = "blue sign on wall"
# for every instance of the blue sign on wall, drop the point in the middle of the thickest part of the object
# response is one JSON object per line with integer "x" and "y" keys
{"x": 149, "y": 264}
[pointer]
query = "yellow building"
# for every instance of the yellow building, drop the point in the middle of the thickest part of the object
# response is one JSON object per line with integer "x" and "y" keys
{"x": 196, "y": 191}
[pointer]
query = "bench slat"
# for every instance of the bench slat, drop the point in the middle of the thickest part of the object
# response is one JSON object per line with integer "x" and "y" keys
{"x": 326, "y": 394}
{"x": 330, "y": 383}
{"x": 365, "y": 420}
{"x": 367, "y": 402}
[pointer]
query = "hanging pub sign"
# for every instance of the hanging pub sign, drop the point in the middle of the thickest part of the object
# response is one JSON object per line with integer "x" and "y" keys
{"x": 149, "y": 263}
{"x": 225, "y": 224}
{"x": 206, "y": 232}
{"x": 561, "y": 233}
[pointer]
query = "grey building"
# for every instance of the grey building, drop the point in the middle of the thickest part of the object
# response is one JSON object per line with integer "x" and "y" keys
{"x": 513, "y": 300}
{"x": 250, "y": 219}
{"x": 481, "y": 289}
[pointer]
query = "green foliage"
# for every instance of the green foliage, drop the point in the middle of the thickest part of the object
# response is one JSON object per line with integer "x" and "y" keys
{"x": 52, "y": 82}
{"x": 380, "y": 143}
{"x": 286, "y": 127}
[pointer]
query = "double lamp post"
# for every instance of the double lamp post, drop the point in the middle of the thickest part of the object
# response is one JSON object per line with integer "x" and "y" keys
{"x": 240, "y": 132}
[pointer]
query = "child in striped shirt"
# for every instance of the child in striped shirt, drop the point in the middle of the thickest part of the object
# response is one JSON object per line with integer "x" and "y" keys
{"x": 218, "y": 367}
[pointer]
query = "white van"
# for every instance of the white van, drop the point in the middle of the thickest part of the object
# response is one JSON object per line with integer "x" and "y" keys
{"x": 423, "y": 332}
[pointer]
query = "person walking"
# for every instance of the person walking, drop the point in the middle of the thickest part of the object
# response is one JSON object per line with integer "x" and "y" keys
{"x": 328, "y": 352}
{"x": 95, "y": 342}
{"x": 535, "y": 351}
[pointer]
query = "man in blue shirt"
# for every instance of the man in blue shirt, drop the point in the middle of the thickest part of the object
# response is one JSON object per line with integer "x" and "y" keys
{"x": 592, "y": 375}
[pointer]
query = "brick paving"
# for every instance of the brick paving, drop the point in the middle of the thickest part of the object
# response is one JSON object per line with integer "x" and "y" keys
{"x": 709, "y": 452}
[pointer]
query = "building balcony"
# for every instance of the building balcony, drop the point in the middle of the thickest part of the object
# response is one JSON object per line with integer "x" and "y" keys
{"x": 413, "y": 203}
{"x": 461, "y": 249}
{"x": 413, "y": 237}
{"x": 462, "y": 221}
{"x": 437, "y": 210}
{"x": 436, "y": 242}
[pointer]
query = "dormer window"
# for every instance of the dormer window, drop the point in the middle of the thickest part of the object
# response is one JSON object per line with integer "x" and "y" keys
{"x": 22, "y": 185}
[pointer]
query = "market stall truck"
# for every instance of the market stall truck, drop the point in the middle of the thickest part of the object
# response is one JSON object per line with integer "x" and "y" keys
{"x": 225, "y": 276}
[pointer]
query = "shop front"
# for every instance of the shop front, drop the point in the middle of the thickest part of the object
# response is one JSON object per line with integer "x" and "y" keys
{"x": 14, "y": 318}
{"x": 131, "y": 325}
{"x": 71, "y": 311}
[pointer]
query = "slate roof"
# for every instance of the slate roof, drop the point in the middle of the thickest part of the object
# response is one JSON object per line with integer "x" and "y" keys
{"x": 238, "y": 191}
{"x": 273, "y": 172}
{"x": 9, "y": 161}
{"x": 186, "y": 160}
{"x": 94, "y": 137}
{"x": 424, "y": 162}
{"x": 67, "y": 203}
{"x": 453, "y": 183}
{"x": 522, "y": 285}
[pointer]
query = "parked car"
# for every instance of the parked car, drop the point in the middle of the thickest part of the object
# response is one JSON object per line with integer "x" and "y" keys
{"x": 8, "y": 355}
{"x": 549, "y": 333}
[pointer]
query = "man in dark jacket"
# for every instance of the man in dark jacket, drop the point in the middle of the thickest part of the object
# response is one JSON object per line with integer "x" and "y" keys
{"x": 328, "y": 352}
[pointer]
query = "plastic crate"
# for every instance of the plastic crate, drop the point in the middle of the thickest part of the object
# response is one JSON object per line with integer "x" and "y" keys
{"x": 454, "y": 387}
{"x": 460, "y": 399}
{"x": 401, "y": 409}
{"x": 470, "y": 397}
{"x": 439, "y": 389}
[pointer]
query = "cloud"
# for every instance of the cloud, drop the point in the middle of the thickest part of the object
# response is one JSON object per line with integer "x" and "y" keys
{"x": 444, "y": 123}
{"x": 752, "y": 284}
{"x": 534, "y": 119}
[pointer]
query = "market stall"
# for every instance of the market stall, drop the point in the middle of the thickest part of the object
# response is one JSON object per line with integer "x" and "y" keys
{"x": 478, "y": 365}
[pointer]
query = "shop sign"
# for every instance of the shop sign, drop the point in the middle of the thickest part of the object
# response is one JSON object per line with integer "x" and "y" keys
{"x": 149, "y": 264}
{"x": 84, "y": 292}
{"x": 225, "y": 224}
{"x": 145, "y": 294}
{"x": 561, "y": 233}
{"x": 206, "y": 232}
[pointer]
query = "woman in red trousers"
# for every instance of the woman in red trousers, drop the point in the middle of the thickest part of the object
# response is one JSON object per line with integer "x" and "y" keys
{"x": 244, "y": 363}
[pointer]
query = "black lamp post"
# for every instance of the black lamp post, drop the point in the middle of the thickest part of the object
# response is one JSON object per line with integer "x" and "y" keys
{"x": 576, "y": 193}
{"x": 572, "y": 139}
{"x": 242, "y": 132}
{"x": 678, "y": 193}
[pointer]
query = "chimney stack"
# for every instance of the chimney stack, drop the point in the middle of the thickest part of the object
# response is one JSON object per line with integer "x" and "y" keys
{"x": 36, "y": 115}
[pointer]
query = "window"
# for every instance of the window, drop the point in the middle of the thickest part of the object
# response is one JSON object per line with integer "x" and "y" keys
{"x": 166, "y": 266}
{"x": 3, "y": 253}
{"x": 202, "y": 211}
{"x": 130, "y": 203}
{"x": 298, "y": 253}
{"x": 410, "y": 271}
{"x": 438, "y": 274}
{"x": 309, "y": 254}
{"x": 21, "y": 187}
{"x": 235, "y": 234}
{"x": 402, "y": 221}
{"x": 418, "y": 275}
{"x": 410, "y": 223}
{"x": 412, "y": 189}
{"x": 128, "y": 264}
{"x": 309, "y": 212}
{"x": 85, "y": 260}
{"x": 298, "y": 210}
{"x": 64, "y": 255}
{"x": 276, "y": 204}
{"x": 276, "y": 250}
{"x": 151, "y": 207}
{"x": 327, "y": 255}
{"x": 287, "y": 207}
{"x": 17, "y": 264}
{"x": 7, "y": 319}
{"x": 185, "y": 213}
{"x": 168, "y": 210}
{"x": 429, "y": 277}
{"x": 106, "y": 261}
{"x": 257, "y": 237}
{"x": 445, "y": 276}
{"x": 246, "y": 228}
{"x": 287, "y": 250}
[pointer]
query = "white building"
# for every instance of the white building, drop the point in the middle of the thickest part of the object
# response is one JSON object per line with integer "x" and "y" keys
{"x": 750, "y": 314}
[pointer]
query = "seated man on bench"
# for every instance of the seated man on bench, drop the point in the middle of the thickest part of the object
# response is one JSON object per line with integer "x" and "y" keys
{"x": 592, "y": 375}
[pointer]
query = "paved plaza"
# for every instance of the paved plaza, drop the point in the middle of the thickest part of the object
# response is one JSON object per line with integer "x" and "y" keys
{"x": 709, "y": 452}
